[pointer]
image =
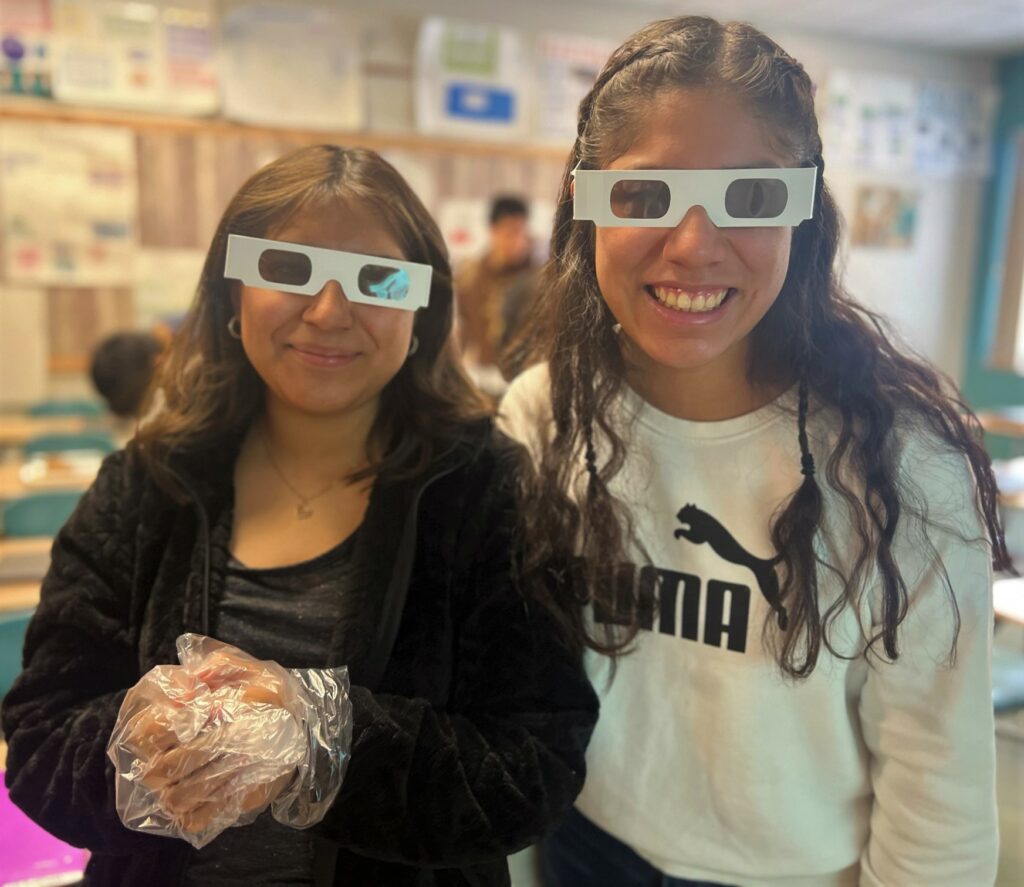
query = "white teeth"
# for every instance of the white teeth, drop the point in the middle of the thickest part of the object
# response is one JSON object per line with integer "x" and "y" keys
{"x": 682, "y": 301}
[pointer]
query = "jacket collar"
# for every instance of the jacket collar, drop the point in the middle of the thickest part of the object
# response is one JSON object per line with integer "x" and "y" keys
{"x": 391, "y": 522}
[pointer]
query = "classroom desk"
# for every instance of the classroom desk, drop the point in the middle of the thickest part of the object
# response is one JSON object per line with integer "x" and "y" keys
{"x": 1008, "y": 599}
{"x": 16, "y": 429}
{"x": 23, "y": 563}
{"x": 57, "y": 472}
{"x": 1005, "y": 421}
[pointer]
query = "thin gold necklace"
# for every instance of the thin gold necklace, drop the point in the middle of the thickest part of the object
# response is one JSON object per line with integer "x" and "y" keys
{"x": 302, "y": 510}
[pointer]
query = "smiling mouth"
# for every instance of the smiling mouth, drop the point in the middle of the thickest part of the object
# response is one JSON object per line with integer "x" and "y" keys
{"x": 690, "y": 301}
{"x": 326, "y": 355}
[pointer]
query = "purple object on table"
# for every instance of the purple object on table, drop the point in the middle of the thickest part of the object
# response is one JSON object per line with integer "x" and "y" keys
{"x": 27, "y": 852}
{"x": 12, "y": 48}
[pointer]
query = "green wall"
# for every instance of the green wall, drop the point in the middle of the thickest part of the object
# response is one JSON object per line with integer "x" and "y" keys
{"x": 983, "y": 386}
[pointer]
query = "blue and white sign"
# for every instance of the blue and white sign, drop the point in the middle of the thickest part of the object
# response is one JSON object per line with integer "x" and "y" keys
{"x": 470, "y": 80}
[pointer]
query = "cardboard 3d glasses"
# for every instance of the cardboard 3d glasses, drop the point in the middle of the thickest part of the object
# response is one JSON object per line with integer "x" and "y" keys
{"x": 297, "y": 268}
{"x": 660, "y": 198}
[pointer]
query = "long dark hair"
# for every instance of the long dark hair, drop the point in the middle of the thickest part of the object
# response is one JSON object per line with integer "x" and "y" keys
{"x": 210, "y": 391}
{"x": 842, "y": 355}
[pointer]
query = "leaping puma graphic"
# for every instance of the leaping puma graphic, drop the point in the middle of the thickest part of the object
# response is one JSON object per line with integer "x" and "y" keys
{"x": 699, "y": 527}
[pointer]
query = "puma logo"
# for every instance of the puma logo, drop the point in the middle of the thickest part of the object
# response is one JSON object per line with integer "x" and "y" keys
{"x": 700, "y": 527}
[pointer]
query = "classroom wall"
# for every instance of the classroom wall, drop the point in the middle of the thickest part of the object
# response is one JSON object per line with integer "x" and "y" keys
{"x": 984, "y": 386}
{"x": 926, "y": 290}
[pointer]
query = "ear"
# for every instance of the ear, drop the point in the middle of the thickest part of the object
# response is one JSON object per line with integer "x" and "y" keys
{"x": 235, "y": 294}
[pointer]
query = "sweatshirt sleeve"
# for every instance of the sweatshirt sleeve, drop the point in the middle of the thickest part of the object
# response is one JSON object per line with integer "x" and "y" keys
{"x": 497, "y": 767}
{"x": 79, "y": 659}
{"x": 928, "y": 720}
{"x": 525, "y": 411}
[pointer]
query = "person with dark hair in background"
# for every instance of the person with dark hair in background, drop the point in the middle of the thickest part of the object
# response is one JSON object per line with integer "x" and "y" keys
{"x": 122, "y": 368}
{"x": 483, "y": 286}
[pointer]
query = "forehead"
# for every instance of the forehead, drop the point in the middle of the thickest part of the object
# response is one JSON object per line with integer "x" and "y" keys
{"x": 700, "y": 129}
{"x": 349, "y": 225}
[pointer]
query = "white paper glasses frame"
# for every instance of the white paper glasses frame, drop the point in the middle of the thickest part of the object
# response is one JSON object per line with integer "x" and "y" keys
{"x": 297, "y": 268}
{"x": 785, "y": 196}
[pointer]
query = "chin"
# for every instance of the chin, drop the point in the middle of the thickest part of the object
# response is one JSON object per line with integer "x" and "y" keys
{"x": 679, "y": 356}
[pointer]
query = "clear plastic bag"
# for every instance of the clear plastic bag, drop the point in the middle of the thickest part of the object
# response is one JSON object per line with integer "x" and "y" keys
{"x": 211, "y": 743}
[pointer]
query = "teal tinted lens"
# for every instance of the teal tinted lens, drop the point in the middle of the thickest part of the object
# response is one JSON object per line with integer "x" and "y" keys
{"x": 285, "y": 267}
{"x": 640, "y": 199}
{"x": 756, "y": 198}
{"x": 384, "y": 282}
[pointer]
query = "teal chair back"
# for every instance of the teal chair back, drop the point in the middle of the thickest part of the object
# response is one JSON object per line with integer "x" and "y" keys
{"x": 87, "y": 408}
{"x": 12, "y": 640}
{"x": 95, "y": 441}
{"x": 39, "y": 514}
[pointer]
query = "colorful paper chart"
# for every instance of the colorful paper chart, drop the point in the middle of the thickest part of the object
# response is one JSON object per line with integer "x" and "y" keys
{"x": 568, "y": 67}
{"x": 155, "y": 56}
{"x": 470, "y": 80}
{"x": 69, "y": 203}
{"x": 902, "y": 125}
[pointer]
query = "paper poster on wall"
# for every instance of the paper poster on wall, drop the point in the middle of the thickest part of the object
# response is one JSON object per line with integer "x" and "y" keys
{"x": 25, "y": 37}
{"x": 471, "y": 80}
{"x": 566, "y": 70}
{"x": 69, "y": 203}
{"x": 898, "y": 124}
{"x": 157, "y": 56}
{"x": 868, "y": 121}
{"x": 884, "y": 217}
{"x": 165, "y": 281}
{"x": 464, "y": 226}
{"x": 954, "y": 129}
{"x": 288, "y": 65}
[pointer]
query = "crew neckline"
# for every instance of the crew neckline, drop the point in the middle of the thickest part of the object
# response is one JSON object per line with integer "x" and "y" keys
{"x": 663, "y": 423}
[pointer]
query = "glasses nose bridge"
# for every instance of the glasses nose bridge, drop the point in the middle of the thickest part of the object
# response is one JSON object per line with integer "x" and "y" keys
{"x": 329, "y": 299}
{"x": 695, "y": 238}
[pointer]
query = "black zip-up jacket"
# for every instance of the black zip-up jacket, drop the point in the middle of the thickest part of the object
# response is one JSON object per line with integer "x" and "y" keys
{"x": 470, "y": 717}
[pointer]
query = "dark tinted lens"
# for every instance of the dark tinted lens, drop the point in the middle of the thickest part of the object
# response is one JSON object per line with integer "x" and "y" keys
{"x": 756, "y": 198}
{"x": 640, "y": 199}
{"x": 282, "y": 266}
{"x": 384, "y": 282}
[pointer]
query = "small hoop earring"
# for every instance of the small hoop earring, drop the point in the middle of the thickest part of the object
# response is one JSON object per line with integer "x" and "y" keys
{"x": 617, "y": 328}
{"x": 235, "y": 327}
{"x": 414, "y": 346}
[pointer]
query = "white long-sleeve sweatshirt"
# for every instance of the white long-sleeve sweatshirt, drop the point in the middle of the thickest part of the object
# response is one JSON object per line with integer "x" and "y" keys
{"x": 709, "y": 763}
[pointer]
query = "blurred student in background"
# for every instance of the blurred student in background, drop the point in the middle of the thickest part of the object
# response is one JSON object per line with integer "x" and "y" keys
{"x": 122, "y": 368}
{"x": 491, "y": 290}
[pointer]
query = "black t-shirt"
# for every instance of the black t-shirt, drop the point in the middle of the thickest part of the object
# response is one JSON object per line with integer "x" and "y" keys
{"x": 288, "y": 614}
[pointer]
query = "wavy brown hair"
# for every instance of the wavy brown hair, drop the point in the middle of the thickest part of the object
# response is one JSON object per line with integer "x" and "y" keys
{"x": 211, "y": 393}
{"x": 842, "y": 355}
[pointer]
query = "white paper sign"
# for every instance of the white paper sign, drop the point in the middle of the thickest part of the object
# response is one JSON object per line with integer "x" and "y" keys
{"x": 289, "y": 65}
{"x": 471, "y": 80}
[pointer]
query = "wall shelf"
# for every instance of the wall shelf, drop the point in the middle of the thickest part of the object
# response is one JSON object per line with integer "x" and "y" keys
{"x": 41, "y": 111}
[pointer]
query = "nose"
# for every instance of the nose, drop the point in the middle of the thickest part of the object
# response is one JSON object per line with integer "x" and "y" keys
{"x": 696, "y": 240}
{"x": 330, "y": 308}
